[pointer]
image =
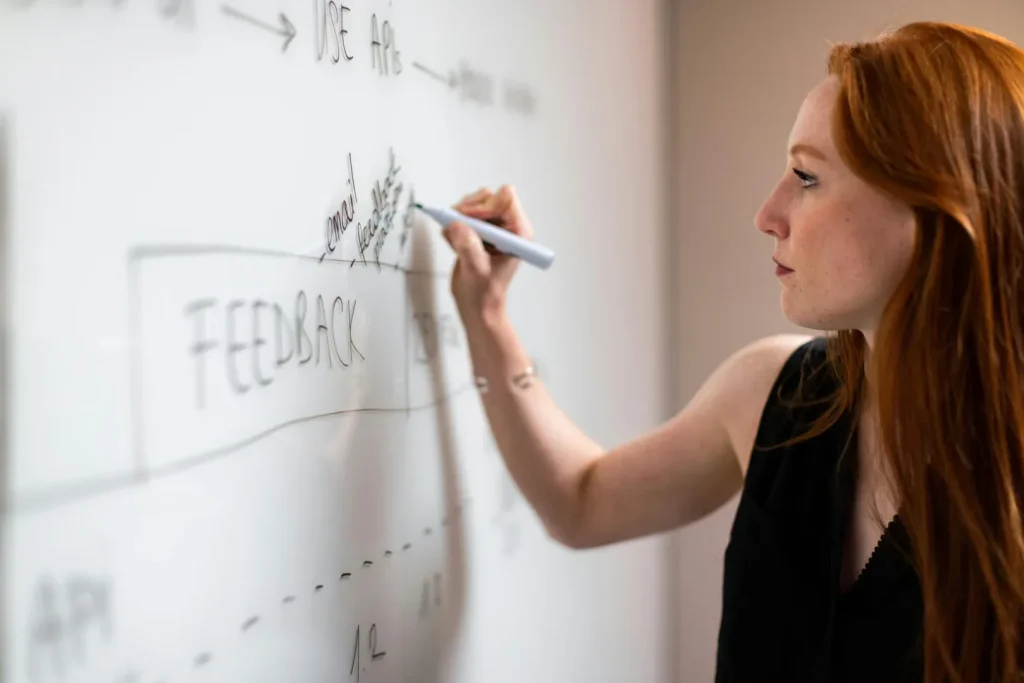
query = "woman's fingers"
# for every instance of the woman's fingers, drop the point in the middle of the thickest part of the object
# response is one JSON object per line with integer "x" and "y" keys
{"x": 469, "y": 247}
{"x": 473, "y": 199}
{"x": 501, "y": 208}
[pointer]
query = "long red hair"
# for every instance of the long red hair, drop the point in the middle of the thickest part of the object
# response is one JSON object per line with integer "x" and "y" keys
{"x": 933, "y": 114}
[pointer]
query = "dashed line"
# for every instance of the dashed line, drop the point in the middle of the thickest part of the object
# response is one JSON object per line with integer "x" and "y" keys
{"x": 204, "y": 658}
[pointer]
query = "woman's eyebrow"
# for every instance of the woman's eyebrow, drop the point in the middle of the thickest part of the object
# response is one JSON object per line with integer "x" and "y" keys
{"x": 809, "y": 150}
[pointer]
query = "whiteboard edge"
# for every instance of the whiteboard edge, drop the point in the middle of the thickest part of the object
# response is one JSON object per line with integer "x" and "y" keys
{"x": 670, "y": 13}
{"x": 6, "y": 656}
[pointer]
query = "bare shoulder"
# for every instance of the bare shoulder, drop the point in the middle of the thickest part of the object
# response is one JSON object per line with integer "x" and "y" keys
{"x": 742, "y": 383}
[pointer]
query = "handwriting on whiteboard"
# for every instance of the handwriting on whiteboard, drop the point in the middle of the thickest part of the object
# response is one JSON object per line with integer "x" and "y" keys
{"x": 338, "y": 223}
{"x": 332, "y": 42}
{"x": 329, "y": 30}
{"x": 70, "y": 619}
{"x": 476, "y": 86}
{"x": 374, "y": 232}
{"x": 357, "y": 668}
{"x": 435, "y": 332}
{"x": 181, "y": 12}
{"x": 519, "y": 98}
{"x": 232, "y": 344}
{"x": 371, "y": 232}
{"x": 67, "y": 619}
{"x": 386, "y": 58}
{"x": 260, "y": 340}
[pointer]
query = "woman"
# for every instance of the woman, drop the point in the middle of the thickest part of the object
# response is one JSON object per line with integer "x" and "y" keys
{"x": 881, "y": 467}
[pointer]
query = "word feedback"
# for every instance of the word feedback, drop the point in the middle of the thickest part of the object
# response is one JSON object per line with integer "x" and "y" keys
{"x": 261, "y": 338}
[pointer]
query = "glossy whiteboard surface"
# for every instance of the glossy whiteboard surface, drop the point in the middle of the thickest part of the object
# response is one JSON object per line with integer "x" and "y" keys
{"x": 242, "y": 437}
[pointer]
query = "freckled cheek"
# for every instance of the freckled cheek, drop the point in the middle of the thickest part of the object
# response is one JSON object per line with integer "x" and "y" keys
{"x": 833, "y": 263}
{"x": 880, "y": 259}
{"x": 850, "y": 265}
{"x": 816, "y": 248}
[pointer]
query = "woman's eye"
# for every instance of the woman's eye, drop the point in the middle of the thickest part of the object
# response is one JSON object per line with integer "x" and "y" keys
{"x": 806, "y": 179}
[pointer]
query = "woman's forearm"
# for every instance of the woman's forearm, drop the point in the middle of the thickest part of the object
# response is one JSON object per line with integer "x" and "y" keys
{"x": 546, "y": 453}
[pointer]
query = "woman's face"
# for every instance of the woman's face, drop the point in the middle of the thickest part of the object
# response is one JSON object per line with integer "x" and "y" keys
{"x": 842, "y": 245}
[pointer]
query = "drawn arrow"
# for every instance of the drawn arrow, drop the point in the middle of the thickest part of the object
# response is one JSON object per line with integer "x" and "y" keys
{"x": 451, "y": 80}
{"x": 286, "y": 29}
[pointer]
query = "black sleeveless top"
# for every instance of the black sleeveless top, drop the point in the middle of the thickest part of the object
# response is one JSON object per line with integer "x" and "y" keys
{"x": 784, "y": 615}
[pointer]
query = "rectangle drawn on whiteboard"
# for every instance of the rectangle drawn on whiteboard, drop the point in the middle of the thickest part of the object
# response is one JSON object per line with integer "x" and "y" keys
{"x": 233, "y": 344}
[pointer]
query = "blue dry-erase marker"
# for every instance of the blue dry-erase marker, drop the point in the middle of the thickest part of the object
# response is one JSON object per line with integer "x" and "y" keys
{"x": 502, "y": 240}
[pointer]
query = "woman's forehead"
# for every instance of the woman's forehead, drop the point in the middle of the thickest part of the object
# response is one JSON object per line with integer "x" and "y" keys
{"x": 813, "y": 121}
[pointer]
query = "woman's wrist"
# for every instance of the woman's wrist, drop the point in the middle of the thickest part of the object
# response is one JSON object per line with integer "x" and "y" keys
{"x": 495, "y": 350}
{"x": 490, "y": 320}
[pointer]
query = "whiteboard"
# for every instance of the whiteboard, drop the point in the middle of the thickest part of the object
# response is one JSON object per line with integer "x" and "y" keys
{"x": 242, "y": 438}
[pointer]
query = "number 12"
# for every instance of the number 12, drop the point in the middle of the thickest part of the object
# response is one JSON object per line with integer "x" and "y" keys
{"x": 356, "y": 668}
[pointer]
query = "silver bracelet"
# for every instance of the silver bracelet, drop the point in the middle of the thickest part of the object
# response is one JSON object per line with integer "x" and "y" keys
{"x": 525, "y": 378}
{"x": 521, "y": 380}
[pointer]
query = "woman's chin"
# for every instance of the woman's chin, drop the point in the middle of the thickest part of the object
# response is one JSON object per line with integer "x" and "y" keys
{"x": 812, "y": 315}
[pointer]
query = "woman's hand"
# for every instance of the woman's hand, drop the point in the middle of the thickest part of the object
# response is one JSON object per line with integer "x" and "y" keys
{"x": 482, "y": 275}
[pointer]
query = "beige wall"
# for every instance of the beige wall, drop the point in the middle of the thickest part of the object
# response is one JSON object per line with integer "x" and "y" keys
{"x": 743, "y": 67}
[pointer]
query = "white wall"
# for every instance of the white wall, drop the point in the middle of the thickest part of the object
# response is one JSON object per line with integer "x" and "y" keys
{"x": 742, "y": 71}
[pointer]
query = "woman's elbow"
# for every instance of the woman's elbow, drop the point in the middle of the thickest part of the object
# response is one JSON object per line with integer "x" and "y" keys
{"x": 564, "y": 536}
{"x": 572, "y": 534}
